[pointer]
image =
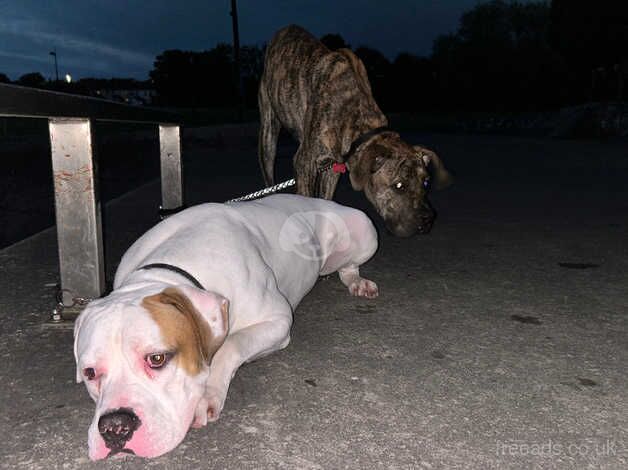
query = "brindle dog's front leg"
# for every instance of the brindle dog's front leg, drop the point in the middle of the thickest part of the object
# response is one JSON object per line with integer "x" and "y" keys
{"x": 305, "y": 171}
{"x": 268, "y": 135}
{"x": 308, "y": 162}
{"x": 327, "y": 182}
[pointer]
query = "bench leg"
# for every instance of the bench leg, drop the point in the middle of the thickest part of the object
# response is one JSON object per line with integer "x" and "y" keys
{"x": 77, "y": 209}
{"x": 171, "y": 169}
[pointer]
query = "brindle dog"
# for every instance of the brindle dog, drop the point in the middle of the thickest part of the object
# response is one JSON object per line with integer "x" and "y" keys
{"x": 324, "y": 99}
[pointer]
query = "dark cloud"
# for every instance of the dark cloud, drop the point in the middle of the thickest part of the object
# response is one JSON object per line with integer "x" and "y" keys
{"x": 105, "y": 38}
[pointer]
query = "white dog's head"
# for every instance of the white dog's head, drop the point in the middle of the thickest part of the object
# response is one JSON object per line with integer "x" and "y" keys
{"x": 144, "y": 357}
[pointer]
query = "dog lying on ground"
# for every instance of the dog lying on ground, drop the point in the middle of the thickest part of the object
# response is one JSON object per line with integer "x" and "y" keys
{"x": 194, "y": 298}
{"x": 324, "y": 99}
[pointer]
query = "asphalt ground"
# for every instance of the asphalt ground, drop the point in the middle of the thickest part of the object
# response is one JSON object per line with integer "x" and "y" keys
{"x": 499, "y": 340}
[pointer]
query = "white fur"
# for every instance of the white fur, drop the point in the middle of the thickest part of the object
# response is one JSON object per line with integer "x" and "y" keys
{"x": 262, "y": 256}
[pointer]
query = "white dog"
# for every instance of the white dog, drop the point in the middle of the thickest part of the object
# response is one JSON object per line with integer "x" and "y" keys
{"x": 197, "y": 296}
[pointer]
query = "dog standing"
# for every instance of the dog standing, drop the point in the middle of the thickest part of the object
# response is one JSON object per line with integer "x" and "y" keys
{"x": 324, "y": 99}
{"x": 194, "y": 298}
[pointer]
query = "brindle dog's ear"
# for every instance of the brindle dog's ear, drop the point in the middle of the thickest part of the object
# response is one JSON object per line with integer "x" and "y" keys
{"x": 442, "y": 178}
{"x": 361, "y": 169}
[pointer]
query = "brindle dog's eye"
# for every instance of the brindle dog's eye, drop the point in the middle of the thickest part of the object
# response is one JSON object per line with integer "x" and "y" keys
{"x": 157, "y": 360}
{"x": 399, "y": 186}
{"x": 426, "y": 183}
{"x": 90, "y": 373}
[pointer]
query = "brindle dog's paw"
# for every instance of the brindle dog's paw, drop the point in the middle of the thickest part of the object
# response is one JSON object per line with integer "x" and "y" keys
{"x": 363, "y": 288}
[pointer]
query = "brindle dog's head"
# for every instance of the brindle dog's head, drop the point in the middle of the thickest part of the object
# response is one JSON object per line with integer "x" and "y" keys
{"x": 396, "y": 178}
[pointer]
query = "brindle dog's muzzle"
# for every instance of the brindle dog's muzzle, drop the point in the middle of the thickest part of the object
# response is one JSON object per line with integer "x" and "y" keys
{"x": 421, "y": 222}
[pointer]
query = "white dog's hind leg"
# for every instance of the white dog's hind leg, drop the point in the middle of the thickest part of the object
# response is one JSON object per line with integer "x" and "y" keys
{"x": 358, "y": 286}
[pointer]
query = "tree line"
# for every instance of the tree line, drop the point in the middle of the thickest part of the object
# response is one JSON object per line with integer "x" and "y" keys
{"x": 504, "y": 56}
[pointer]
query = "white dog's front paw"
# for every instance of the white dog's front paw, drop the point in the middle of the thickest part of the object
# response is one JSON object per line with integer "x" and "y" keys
{"x": 363, "y": 288}
{"x": 209, "y": 407}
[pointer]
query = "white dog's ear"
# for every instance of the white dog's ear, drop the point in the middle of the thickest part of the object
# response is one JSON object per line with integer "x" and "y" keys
{"x": 442, "y": 177}
{"x": 77, "y": 329}
{"x": 199, "y": 331}
{"x": 213, "y": 307}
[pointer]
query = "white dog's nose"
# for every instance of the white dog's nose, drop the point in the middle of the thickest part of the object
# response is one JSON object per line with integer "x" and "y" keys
{"x": 117, "y": 427}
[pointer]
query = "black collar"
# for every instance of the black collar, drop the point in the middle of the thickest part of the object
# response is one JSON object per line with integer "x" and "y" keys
{"x": 175, "y": 269}
{"x": 362, "y": 139}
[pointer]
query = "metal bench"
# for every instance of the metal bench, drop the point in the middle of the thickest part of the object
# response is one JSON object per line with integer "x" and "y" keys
{"x": 77, "y": 202}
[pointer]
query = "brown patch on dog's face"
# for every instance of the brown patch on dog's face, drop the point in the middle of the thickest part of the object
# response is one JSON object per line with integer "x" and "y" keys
{"x": 183, "y": 329}
{"x": 395, "y": 179}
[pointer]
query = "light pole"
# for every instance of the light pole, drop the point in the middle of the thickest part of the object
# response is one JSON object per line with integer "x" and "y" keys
{"x": 236, "y": 58}
{"x": 54, "y": 53}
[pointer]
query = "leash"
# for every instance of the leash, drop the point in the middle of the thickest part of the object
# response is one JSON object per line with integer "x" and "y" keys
{"x": 57, "y": 313}
{"x": 265, "y": 191}
{"x": 336, "y": 167}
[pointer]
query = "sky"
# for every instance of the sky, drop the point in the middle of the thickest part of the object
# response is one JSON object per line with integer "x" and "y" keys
{"x": 121, "y": 38}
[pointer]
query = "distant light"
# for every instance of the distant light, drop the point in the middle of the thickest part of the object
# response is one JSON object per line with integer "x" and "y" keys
{"x": 68, "y": 78}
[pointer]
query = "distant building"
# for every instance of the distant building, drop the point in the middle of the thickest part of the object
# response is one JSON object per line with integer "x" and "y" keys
{"x": 125, "y": 90}
{"x": 136, "y": 96}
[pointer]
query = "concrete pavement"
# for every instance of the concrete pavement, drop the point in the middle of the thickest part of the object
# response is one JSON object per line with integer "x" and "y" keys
{"x": 500, "y": 340}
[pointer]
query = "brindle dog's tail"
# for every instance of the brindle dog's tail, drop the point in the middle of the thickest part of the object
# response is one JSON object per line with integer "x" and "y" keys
{"x": 268, "y": 135}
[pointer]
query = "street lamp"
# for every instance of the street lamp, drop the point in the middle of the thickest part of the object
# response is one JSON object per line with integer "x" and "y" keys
{"x": 68, "y": 78}
{"x": 236, "y": 58}
{"x": 54, "y": 53}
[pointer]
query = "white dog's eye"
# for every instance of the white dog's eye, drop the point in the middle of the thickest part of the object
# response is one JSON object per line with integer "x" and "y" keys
{"x": 157, "y": 360}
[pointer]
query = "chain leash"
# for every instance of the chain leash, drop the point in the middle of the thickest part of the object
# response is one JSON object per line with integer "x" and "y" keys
{"x": 57, "y": 312}
{"x": 337, "y": 167}
{"x": 265, "y": 191}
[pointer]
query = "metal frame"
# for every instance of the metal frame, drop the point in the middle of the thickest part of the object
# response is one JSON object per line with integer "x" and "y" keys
{"x": 17, "y": 101}
{"x": 75, "y": 175}
{"x": 171, "y": 168}
{"x": 77, "y": 208}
